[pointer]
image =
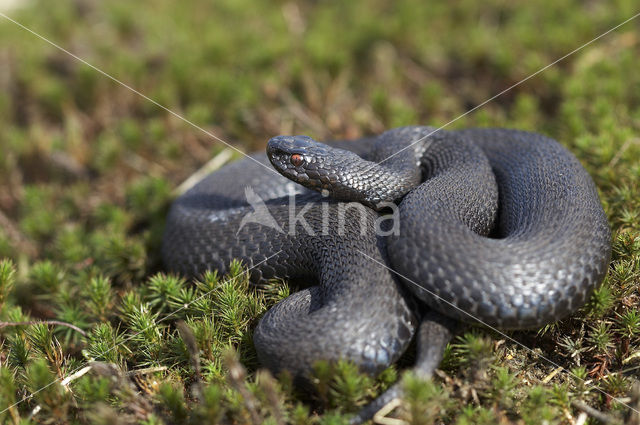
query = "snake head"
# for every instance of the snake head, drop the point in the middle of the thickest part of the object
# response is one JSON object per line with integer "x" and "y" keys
{"x": 336, "y": 172}
{"x": 312, "y": 164}
{"x": 286, "y": 152}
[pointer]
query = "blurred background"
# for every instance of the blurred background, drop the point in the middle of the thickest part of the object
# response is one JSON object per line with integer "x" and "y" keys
{"x": 87, "y": 167}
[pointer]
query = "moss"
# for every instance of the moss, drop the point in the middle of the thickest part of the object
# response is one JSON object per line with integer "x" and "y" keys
{"x": 87, "y": 169}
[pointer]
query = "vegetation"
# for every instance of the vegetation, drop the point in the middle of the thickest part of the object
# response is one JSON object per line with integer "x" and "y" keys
{"x": 87, "y": 169}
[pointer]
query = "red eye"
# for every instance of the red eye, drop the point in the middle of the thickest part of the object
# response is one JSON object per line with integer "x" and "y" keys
{"x": 296, "y": 159}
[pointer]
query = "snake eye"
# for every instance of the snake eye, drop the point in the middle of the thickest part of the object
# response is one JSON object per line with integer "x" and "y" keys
{"x": 296, "y": 159}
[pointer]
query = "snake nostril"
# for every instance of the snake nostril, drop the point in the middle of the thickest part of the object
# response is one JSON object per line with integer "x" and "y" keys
{"x": 296, "y": 159}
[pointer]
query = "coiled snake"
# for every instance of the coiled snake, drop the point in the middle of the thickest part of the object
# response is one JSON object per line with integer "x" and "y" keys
{"x": 500, "y": 226}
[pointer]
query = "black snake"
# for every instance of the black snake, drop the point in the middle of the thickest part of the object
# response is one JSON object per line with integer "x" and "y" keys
{"x": 500, "y": 226}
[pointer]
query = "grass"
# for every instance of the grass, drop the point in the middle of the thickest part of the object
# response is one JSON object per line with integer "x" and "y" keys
{"x": 87, "y": 170}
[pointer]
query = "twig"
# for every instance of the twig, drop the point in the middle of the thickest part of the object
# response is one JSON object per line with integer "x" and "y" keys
{"x": 552, "y": 374}
{"x": 381, "y": 415}
{"x": 66, "y": 381}
{"x": 213, "y": 164}
{"x": 623, "y": 148}
{"x": 146, "y": 370}
{"x": 600, "y": 416}
{"x": 35, "y": 411}
{"x": 44, "y": 322}
{"x": 630, "y": 358}
{"x": 65, "y": 384}
{"x": 582, "y": 418}
{"x": 15, "y": 416}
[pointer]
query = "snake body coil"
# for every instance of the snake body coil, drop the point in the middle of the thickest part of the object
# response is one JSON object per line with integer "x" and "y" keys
{"x": 500, "y": 226}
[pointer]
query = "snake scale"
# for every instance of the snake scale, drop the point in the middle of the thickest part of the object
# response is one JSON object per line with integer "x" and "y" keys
{"x": 495, "y": 225}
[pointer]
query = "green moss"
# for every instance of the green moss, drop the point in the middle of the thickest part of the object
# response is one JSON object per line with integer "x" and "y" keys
{"x": 427, "y": 401}
{"x": 7, "y": 280}
{"x": 87, "y": 170}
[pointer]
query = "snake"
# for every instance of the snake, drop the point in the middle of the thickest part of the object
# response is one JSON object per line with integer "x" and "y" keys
{"x": 405, "y": 233}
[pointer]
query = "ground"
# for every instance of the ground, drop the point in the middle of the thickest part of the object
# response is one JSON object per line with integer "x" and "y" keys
{"x": 88, "y": 169}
